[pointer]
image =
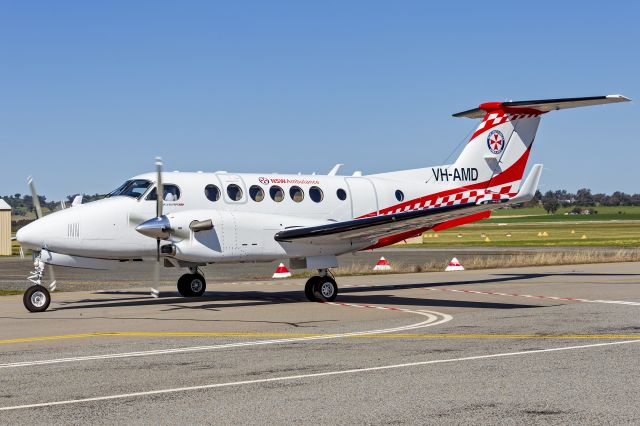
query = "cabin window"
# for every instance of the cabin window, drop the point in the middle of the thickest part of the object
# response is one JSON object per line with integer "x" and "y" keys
{"x": 256, "y": 193}
{"x": 277, "y": 194}
{"x": 212, "y": 192}
{"x": 171, "y": 193}
{"x": 399, "y": 195}
{"x": 234, "y": 192}
{"x": 342, "y": 194}
{"x": 296, "y": 194}
{"x": 316, "y": 194}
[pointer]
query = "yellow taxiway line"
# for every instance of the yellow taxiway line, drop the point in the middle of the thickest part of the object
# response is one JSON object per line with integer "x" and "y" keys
{"x": 363, "y": 336}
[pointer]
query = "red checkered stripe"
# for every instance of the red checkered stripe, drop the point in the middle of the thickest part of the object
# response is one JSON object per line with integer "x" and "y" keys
{"x": 462, "y": 197}
{"x": 495, "y": 118}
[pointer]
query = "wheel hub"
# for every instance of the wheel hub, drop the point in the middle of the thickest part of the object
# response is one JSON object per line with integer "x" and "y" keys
{"x": 196, "y": 285}
{"x": 38, "y": 299}
{"x": 326, "y": 289}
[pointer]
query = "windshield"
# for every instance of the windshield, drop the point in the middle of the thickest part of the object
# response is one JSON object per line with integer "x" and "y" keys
{"x": 131, "y": 188}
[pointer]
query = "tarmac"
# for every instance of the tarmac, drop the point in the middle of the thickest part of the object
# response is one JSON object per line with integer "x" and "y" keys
{"x": 551, "y": 345}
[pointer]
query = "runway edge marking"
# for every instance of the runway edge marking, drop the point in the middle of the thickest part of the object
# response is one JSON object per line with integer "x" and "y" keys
{"x": 567, "y": 299}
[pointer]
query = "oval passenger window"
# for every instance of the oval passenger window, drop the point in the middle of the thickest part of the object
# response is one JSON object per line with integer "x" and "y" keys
{"x": 234, "y": 192}
{"x": 212, "y": 192}
{"x": 256, "y": 193}
{"x": 342, "y": 195}
{"x": 296, "y": 194}
{"x": 277, "y": 194}
{"x": 316, "y": 194}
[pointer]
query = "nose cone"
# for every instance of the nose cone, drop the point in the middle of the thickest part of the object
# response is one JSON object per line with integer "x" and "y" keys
{"x": 158, "y": 227}
{"x": 30, "y": 236}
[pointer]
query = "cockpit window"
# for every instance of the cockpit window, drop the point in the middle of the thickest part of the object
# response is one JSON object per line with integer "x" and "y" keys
{"x": 132, "y": 188}
{"x": 171, "y": 193}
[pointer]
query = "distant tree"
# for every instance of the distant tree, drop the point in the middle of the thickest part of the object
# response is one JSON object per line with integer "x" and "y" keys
{"x": 599, "y": 199}
{"x": 550, "y": 202}
{"x": 584, "y": 197}
{"x": 17, "y": 195}
{"x": 535, "y": 201}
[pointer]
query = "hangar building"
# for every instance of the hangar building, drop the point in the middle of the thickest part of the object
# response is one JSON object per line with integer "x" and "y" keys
{"x": 5, "y": 228}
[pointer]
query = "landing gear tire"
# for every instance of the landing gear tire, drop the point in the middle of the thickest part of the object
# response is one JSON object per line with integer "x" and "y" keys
{"x": 308, "y": 288}
{"x": 325, "y": 289}
{"x": 36, "y": 298}
{"x": 191, "y": 285}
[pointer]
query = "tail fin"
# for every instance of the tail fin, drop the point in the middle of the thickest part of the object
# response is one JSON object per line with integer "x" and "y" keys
{"x": 498, "y": 150}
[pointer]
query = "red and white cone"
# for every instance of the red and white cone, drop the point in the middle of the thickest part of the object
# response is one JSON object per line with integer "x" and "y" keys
{"x": 382, "y": 265}
{"x": 281, "y": 272}
{"x": 454, "y": 265}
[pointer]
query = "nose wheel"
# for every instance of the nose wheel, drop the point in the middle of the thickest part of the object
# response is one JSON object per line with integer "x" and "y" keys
{"x": 36, "y": 299}
{"x": 321, "y": 289}
{"x": 192, "y": 285}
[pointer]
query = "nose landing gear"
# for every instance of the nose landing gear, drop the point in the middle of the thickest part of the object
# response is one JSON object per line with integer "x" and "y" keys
{"x": 37, "y": 297}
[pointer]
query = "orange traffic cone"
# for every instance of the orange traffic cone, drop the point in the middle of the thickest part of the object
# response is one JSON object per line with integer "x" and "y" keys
{"x": 454, "y": 265}
{"x": 281, "y": 272}
{"x": 382, "y": 265}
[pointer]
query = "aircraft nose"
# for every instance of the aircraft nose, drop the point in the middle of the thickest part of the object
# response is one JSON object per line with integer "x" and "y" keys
{"x": 29, "y": 237}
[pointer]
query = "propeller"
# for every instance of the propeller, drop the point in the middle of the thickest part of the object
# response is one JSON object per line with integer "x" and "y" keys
{"x": 36, "y": 205}
{"x": 34, "y": 197}
{"x": 159, "y": 199}
{"x": 52, "y": 285}
{"x": 158, "y": 227}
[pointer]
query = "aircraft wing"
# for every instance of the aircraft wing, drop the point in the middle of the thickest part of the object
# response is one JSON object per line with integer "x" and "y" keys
{"x": 374, "y": 229}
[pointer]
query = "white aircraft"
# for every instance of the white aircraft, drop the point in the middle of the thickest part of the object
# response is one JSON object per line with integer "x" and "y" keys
{"x": 220, "y": 217}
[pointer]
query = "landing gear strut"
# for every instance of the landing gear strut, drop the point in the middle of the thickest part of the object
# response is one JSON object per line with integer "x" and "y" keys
{"x": 321, "y": 288}
{"x": 37, "y": 298}
{"x": 193, "y": 284}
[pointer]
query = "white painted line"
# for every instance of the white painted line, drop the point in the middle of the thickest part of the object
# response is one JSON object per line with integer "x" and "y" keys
{"x": 433, "y": 318}
{"x": 567, "y": 299}
{"x": 306, "y": 376}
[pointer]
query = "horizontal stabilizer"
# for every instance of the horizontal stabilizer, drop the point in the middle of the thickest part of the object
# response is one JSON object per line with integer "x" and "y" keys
{"x": 541, "y": 105}
{"x": 529, "y": 187}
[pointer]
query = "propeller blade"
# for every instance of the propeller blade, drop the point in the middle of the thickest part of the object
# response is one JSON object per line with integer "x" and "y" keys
{"x": 52, "y": 285}
{"x": 159, "y": 187}
{"x": 34, "y": 196}
{"x": 156, "y": 277}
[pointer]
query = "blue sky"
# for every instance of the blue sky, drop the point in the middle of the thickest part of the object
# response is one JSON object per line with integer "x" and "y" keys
{"x": 91, "y": 92}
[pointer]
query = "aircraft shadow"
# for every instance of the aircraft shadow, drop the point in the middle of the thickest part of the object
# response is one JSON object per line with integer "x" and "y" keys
{"x": 215, "y": 300}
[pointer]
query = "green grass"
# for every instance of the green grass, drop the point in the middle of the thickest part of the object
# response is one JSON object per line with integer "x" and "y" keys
{"x": 537, "y": 214}
{"x": 10, "y": 292}
{"x": 587, "y": 234}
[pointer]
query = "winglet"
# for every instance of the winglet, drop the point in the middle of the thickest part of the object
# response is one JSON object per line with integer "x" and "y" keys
{"x": 529, "y": 187}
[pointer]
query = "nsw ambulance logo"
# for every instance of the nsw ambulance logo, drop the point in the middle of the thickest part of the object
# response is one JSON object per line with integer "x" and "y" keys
{"x": 495, "y": 141}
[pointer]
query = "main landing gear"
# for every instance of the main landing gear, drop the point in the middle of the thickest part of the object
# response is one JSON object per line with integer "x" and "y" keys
{"x": 193, "y": 284}
{"x": 321, "y": 288}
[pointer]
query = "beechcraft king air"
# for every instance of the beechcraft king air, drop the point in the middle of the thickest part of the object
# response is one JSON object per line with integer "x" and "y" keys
{"x": 208, "y": 218}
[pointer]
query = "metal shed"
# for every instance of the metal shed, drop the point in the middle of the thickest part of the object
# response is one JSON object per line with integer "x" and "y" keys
{"x": 5, "y": 228}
